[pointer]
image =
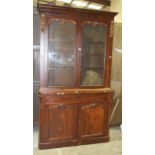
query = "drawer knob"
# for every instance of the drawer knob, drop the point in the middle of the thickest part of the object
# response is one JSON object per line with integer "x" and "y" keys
{"x": 77, "y": 92}
{"x": 61, "y": 106}
{"x": 79, "y": 49}
{"x": 93, "y": 105}
{"x": 60, "y": 93}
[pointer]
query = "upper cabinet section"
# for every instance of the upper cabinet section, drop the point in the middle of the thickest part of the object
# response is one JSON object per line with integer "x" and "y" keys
{"x": 76, "y": 47}
{"x": 61, "y": 53}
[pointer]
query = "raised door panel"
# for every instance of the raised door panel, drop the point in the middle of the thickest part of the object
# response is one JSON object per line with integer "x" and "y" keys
{"x": 61, "y": 122}
{"x": 92, "y": 122}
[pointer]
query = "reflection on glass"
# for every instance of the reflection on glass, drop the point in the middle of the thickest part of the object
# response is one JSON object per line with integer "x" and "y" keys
{"x": 60, "y": 60}
{"x": 60, "y": 76}
{"x": 61, "y": 53}
{"x": 92, "y": 61}
{"x": 93, "y": 50}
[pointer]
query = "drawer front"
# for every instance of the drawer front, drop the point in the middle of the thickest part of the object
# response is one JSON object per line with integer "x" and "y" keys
{"x": 50, "y": 99}
{"x": 79, "y": 98}
{"x": 93, "y": 98}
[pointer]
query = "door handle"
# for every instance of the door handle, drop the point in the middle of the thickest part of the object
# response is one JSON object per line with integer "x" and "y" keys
{"x": 92, "y": 105}
{"x": 62, "y": 106}
{"x": 60, "y": 93}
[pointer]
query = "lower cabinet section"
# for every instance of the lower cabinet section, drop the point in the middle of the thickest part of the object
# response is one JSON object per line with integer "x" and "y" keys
{"x": 65, "y": 123}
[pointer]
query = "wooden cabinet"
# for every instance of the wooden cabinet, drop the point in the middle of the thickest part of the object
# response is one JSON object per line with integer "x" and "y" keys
{"x": 75, "y": 66}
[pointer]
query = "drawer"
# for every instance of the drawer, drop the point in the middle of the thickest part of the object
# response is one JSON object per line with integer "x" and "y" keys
{"x": 60, "y": 99}
{"x": 93, "y": 98}
{"x": 78, "y": 98}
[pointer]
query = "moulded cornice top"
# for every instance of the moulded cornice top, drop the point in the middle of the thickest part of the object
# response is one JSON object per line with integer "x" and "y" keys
{"x": 53, "y": 9}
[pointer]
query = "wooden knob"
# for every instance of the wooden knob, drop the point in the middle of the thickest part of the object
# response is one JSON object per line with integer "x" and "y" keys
{"x": 61, "y": 106}
{"x": 79, "y": 49}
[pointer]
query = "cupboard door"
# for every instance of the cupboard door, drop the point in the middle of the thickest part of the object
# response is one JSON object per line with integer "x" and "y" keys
{"x": 61, "y": 53}
{"x": 92, "y": 120}
{"x": 61, "y": 122}
{"x": 93, "y": 54}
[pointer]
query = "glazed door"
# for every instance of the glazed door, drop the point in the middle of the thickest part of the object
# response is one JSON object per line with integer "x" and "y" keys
{"x": 61, "y": 55}
{"x": 93, "y": 54}
{"x": 92, "y": 120}
{"x": 62, "y": 122}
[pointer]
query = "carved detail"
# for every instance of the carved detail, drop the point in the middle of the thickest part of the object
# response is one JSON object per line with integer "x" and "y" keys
{"x": 42, "y": 25}
{"x": 40, "y": 96}
{"x": 41, "y": 101}
{"x": 111, "y": 28}
{"x": 62, "y": 21}
{"x": 61, "y": 106}
{"x": 92, "y": 105}
{"x": 93, "y": 23}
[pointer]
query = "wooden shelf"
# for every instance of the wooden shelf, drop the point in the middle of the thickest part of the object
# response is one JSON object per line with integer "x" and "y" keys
{"x": 61, "y": 40}
{"x": 93, "y": 67}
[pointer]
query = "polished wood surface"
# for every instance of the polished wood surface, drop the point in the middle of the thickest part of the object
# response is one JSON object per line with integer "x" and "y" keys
{"x": 73, "y": 114}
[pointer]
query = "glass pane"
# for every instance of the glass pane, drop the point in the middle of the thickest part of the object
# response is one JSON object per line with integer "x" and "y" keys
{"x": 62, "y": 30}
{"x": 91, "y": 47}
{"x": 93, "y": 54}
{"x": 60, "y": 77}
{"x": 92, "y": 61}
{"x": 61, "y": 53}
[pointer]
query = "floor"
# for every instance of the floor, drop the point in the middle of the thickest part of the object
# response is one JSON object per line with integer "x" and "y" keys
{"x": 114, "y": 147}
